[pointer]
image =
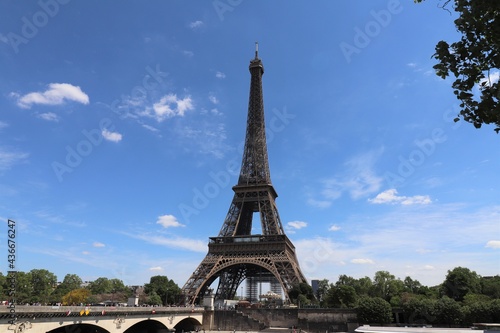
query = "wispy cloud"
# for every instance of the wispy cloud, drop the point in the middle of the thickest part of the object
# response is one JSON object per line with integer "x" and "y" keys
{"x": 417, "y": 241}
{"x": 362, "y": 261}
{"x": 168, "y": 221}
{"x": 156, "y": 269}
{"x": 172, "y": 242}
{"x": 98, "y": 244}
{"x": 213, "y": 99}
{"x": 494, "y": 244}
{"x": 220, "y": 75}
{"x": 390, "y": 197}
{"x": 111, "y": 136}
{"x": 359, "y": 180}
{"x": 49, "y": 116}
{"x": 292, "y": 226}
{"x": 56, "y": 94}
{"x": 3, "y": 124}
{"x": 196, "y": 24}
{"x": 334, "y": 228}
{"x": 9, "y": 158}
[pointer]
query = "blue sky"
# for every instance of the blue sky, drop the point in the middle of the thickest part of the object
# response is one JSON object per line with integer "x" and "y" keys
{"x": 122, "y": 125}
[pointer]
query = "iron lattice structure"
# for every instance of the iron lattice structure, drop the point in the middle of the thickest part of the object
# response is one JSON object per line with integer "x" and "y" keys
{"x": 235, "y": 254}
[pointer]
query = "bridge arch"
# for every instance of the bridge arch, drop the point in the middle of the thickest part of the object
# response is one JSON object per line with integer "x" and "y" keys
{"x": 79, "y": 328}
{"x": 229, "y": 263}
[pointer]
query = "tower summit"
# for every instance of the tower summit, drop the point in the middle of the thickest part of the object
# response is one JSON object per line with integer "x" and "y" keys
{"x": 235, "y": 254}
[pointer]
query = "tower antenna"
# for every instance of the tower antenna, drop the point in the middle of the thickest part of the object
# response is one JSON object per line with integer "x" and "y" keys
{"x": 256, "y": 50}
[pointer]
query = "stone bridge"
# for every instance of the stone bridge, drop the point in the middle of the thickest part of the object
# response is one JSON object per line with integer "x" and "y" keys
{"x": 73, "y": 319}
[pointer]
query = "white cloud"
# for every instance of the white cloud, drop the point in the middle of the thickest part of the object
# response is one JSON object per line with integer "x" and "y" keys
{"x": 156, "y": 269}
{"x": 319, "y": 203}
{"x": 390, "y": 196}
{"x": 168, "y": 221}
{"x": 188, "y": 53}
{"x": 334, "y": 228}
{"x": 297, "y": 224}
{"x": 150, "y": 128}
{"x": 490, "y": 79}
{"x": 4, "y": 38}
{"x": 220, "y": 75}
{"x": 196, "y": 24}
{"x": 177, "y": 242}
{"x": 213, "y": 99}
{"x": 111, "y": 136}
{"x": 49, "y": 116}
{"x": 3, "y": 124}
{"x": 98, "y": 244}
{"x": 9, "y": 158}
{"x": 170, "y": 106}
{"x": 362, "y": 261}
{"x": 358, "y": 180}
{"x": 494, "y": 244}
{"x": 56, "y": 94}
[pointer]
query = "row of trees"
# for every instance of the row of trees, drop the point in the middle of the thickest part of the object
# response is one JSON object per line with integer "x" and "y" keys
{"x": 39, "y": 286}
{"x": 462, "y": 299}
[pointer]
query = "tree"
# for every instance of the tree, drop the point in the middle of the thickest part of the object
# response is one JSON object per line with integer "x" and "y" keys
{"x": 153, "y": 299}
{"x": 43, "y": 283}
{"x": 447, "y": 311}
{"x": 459, "y": 282}
{"x": 24, "y": 288}
{"x": 374, "y": 310}
{"x": 385, "y": 285}
{"x": 69, "y": 283}
{"x": 490, "y": 286}
{"x": 166, "y": 289}
{"x": 301, "y": 289}
{"x": 76, "y": 296}
{"x": 342, "y": 296}
{"x": 418, "y": 310}
{"x": 101, "y": 285}
{"x": 474, "y": 61}
{"x": 4, "y": 291}
{"x": 323, "y": 287}
{"x": 363, "y": 286}
{"x": 412, "y": 286}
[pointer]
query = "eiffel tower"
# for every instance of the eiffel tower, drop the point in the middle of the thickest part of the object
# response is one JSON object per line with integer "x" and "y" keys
{"x": 235, "y": 254}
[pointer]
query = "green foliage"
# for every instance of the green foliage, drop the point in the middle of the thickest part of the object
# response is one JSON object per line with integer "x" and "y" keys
{"x": 43, "y": 283}
{"x": 154, "y": 299}
{"x": 474, "y": 60}
{"x": 362, "y": 286}
{"x": 491, "y": 286}
{"x": 373, "y": 310}
{"x": 481, "y": 312}
{"x": 323, "y": 287}
{"x": 101, "y": 285}
{"x": 301, "y": 292}
{"x": 385, "y": 285}
{"x": 342, "y": 296}
{"x": 70, "y": 282}
{"x": 459, "y": 282}
{"x": 418, "y": 310}
{"x": 447, "y": 311}
{"x": 167, "y": 290}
